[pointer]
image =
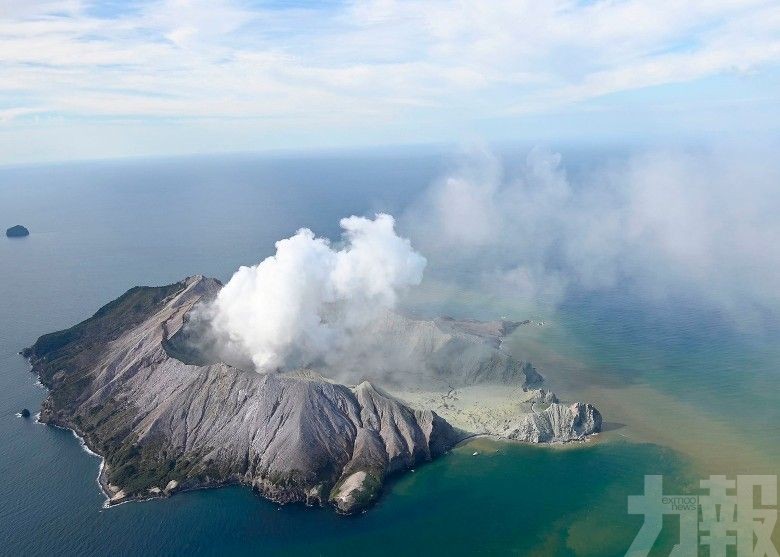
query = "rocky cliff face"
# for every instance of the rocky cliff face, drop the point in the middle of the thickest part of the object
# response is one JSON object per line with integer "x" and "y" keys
{"x": 163, "y": 425}
{"x": 558, "y": 423}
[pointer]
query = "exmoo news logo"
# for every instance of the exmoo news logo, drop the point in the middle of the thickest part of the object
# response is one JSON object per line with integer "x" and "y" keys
{"x": 736, "y": 515}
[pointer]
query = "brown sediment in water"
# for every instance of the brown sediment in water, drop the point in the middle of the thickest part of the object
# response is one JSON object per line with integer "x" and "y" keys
{"x": 641, "y": 413}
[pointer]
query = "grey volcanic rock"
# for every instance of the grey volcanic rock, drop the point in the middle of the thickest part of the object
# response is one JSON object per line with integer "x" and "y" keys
{"x": 558, "y": 423}
{"x": 402, "y": 351}
{"x": 543, "y": 396}
{"x": 17, "y": 231}
{"x": 490, "y": 332}
{"x": 395, "y": 351}
{"x": 163, "y": 425}
{"x": 132, "y": 383}
{"x": 25, "y": 413}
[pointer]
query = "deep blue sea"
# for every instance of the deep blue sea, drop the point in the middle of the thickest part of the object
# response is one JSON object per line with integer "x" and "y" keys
{"x": 684, "y": 392}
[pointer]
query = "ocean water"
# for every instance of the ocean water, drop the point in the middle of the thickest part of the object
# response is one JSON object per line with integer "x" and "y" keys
{"x": 685, "y": 393}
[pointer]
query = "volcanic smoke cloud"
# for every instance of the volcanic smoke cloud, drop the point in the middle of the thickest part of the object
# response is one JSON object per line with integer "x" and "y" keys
{"x": 305, "y": 301}
{"x": 699, "y": 225}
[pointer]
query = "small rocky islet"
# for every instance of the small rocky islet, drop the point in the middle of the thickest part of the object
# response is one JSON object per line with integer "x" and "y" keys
{"x": 17, "y": 231}
{"x": 165, "y": 419}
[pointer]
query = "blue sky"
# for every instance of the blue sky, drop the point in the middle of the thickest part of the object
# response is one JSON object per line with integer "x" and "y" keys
{"x": 89, "y": 79}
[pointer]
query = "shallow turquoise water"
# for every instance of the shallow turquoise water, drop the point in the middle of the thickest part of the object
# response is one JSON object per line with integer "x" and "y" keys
{"x": 99, "y": 229}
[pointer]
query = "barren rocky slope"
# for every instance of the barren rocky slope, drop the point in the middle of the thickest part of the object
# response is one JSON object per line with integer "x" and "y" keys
{"x": 163, "y": 425}
{"x": 443, "y": 352}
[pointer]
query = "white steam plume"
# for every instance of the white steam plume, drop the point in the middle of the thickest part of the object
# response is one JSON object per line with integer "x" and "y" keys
{"x": 304, "y": 302}
{"x": 700, "y": 224}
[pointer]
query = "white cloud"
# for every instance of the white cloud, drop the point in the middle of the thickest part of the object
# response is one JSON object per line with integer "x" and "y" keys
{"x": 383, "y": 59}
